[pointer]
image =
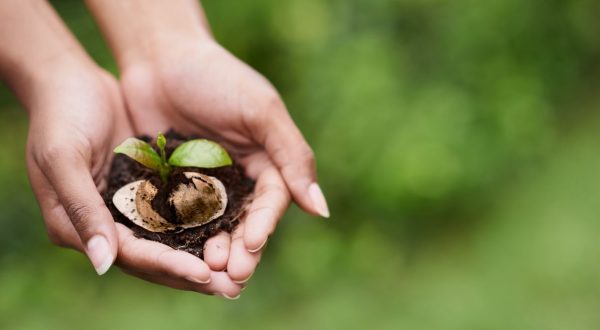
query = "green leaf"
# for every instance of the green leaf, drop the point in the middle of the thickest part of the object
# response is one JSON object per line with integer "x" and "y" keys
{"x": 141, "y": 152}
{"x": 161, "y": 141}
{"x": 200, "y": 153}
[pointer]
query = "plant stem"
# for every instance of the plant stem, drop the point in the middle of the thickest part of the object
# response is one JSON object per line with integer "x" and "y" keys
{"x": 165, "y": 171}
{"x": 163, "y": 156}
{"x": 165, "y": 168}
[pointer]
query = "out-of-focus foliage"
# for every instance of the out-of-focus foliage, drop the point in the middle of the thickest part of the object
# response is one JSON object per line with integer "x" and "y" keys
{"x": 457, "y": 143}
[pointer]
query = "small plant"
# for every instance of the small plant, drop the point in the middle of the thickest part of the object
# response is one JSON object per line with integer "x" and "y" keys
{"x": 176, "y": 212}
{"x": 194, "y": 153}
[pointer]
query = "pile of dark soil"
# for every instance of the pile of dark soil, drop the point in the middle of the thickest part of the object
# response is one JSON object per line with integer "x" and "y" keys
{"x": 239, "y": 189}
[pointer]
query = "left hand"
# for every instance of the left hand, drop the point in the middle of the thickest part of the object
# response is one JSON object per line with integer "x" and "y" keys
{"x": 77, "y": 116}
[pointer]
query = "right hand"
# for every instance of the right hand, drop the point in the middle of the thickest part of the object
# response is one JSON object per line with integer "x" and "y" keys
{"x": 199, "y": 88}
{"x": 77, "y": 117}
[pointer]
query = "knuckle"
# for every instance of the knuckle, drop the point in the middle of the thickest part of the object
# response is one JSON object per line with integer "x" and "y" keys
{"x": 260, "y": 107}
{"x": 265, "y": 212}
{"x": 302, "y": 161}
{"x": 307, "y": 154}
{"x": 49, "y": 153}
{"x": 56, "y": 239}
{"x": 272, "y": 188}
{"x": 52, "y": 152}
{"x": 60, "y": 237}
{"x": 79, "y": 213}
{"x": 279, "y": 153}
{"x": 266, "y": 216}
{"x": 273, "y": 101}
{"x": 160, "y": 263}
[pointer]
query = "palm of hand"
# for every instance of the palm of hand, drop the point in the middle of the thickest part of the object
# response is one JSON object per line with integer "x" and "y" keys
{"x": 203, "y": 91}
{"x": 208, "y": 92}
{"x": 69, "y": 148}
{"x": 69, "y": 152}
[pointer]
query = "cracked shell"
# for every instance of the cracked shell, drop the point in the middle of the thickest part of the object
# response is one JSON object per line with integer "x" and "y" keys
{"x": 197, "y": 203}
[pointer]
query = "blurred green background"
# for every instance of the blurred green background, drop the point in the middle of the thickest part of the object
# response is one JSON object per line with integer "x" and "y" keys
{"x": 458, "y": 143}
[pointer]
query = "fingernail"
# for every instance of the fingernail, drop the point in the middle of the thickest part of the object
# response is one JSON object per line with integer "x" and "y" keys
{"x": 224, "y": 295}
{"x": 318, "y": 200}
{"x": 197, "y": 280}
{"x": 99, "y": 253}
{"x": 262, "y": 245}
{"x": 244, "y": 280}
{"x": 243, "y": 288}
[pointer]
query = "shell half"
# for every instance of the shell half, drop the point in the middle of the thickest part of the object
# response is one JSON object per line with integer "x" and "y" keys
{"x": 196, "y": 204}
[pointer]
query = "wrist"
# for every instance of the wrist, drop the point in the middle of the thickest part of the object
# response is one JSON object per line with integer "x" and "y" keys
{"x": 153, "y": 49}
{"x": 35, "y": 42}
{"x": 140, "y": 31}
{"x": 163, "y": 68}
{"x": 53, "y": 77}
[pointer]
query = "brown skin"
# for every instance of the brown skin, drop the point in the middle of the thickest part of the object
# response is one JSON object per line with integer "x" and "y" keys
{"x": 77, "y": 116}
{"x": 67, "y": 167}
{"x": 193, "y": 100}
{"x": 173, "y": 75}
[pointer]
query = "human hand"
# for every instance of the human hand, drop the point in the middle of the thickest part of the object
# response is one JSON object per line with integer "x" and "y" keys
{"x": 200, "y": 88}
{"x": 77, "y": 117}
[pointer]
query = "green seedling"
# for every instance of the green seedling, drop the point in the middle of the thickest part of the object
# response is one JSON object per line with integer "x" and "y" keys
{"x": 194, "y": 153}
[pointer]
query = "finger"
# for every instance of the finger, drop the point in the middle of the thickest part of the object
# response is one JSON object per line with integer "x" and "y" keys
{"x": 69, "y": 175}
{"x": 293, "y": 156}
{"x": 216, "y": 251}
{"x": 271, "y": 201}
{"x": 60, "y": 229}
{"x": 158, "y": 259}
{"x": 175, "y": 283}
{"x": 241, "y": 264}
{"x": 220, "y": 285}
{"x": 224, "y": 286}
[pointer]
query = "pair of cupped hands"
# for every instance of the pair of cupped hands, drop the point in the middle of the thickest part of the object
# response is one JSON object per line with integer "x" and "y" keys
{"x": 200, "y": 88}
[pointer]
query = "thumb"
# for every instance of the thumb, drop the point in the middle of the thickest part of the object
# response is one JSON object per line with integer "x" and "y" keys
{"x": 294, "y": 158}
{"x": 70, "y": 177}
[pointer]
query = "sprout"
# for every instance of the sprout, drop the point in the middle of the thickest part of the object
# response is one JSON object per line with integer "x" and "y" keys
{"x": 194, "y": 153}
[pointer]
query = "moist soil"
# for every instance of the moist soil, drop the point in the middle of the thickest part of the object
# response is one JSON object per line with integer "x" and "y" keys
{"x": 239, "y": 189}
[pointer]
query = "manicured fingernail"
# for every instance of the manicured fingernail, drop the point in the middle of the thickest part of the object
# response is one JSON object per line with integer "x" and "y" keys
{"x": 262, "y": 245}
{"x": 99, "y": 253}
{"x": 244, "y": 280}
{"x": 197, "y": 280}
{"x": 318, "y": 200}
{"x": 229, "y": 297}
